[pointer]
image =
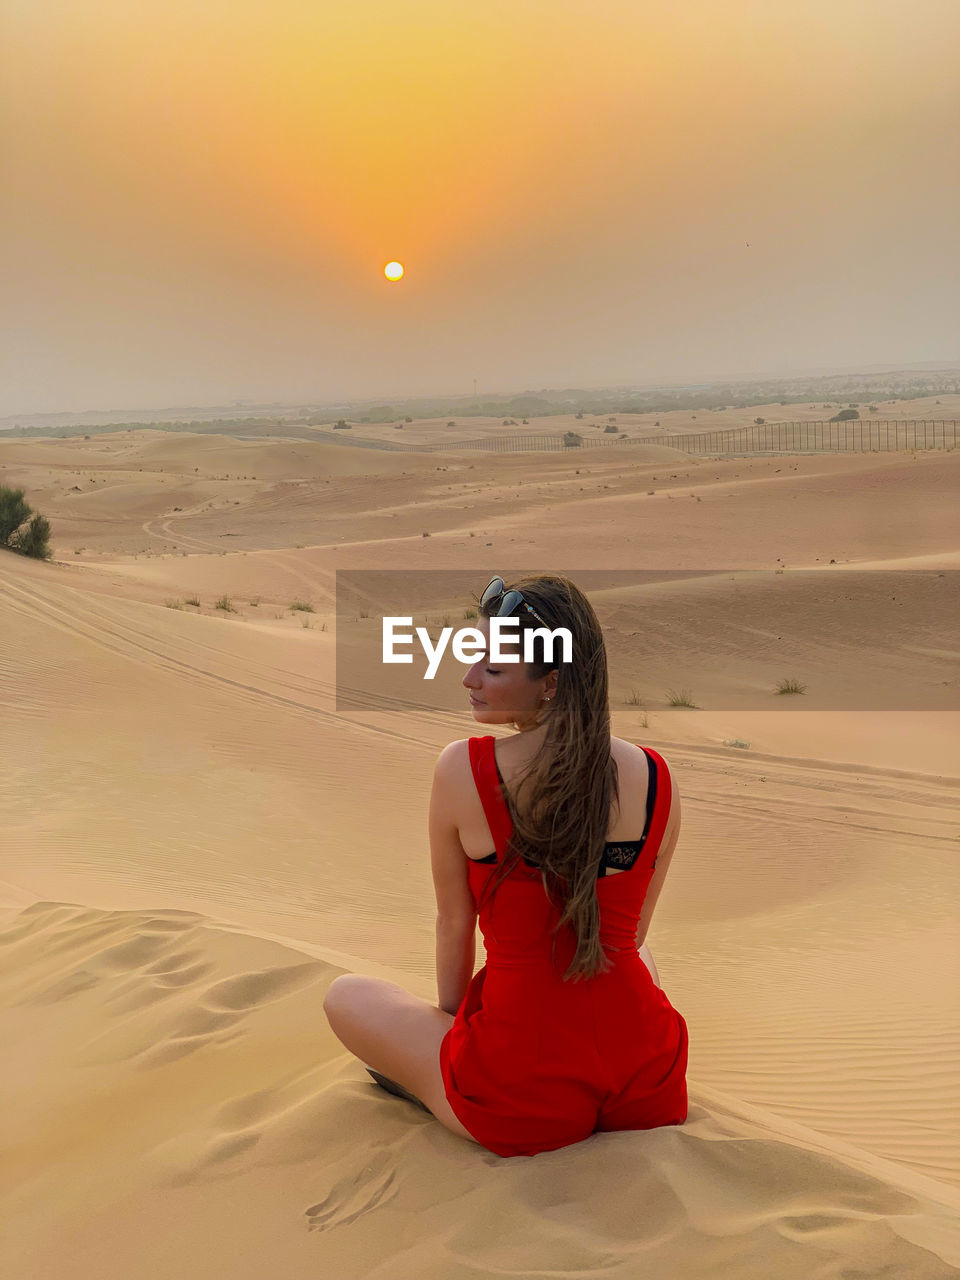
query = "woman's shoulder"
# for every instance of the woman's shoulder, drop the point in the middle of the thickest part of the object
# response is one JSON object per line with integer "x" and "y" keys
{"x": 454, "y": 753}
{"x": 627, "y": 752}
{"x": 453, "y": 762}
{"x": 635, "y": 754}
{"x": 454, "y": 768}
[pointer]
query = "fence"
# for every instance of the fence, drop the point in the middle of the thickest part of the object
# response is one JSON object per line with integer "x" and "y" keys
{"x": 860, "y": 435}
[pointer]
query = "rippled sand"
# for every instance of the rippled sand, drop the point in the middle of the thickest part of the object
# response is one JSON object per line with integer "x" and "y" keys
{"x": 197, "y": 840}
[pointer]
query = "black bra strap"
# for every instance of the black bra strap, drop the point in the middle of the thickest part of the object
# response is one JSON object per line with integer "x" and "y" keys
{"x": 618, "y": 854}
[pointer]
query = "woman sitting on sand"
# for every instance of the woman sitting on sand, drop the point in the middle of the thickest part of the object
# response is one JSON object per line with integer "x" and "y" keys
{"x": 564, "y": 1030}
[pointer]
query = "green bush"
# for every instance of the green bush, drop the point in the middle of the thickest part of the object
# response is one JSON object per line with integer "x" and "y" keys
{"x": 32, "y": 540}
{"x": 13, "y": 512}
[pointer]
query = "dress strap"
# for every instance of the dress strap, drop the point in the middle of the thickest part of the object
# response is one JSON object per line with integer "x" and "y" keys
{"x": 661, "y": 803}
{"x": 483, "y": 762}
{"x": 484, "y": 765}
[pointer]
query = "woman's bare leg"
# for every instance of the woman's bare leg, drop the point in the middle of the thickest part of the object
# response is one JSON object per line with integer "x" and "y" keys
{"x": 647, "y": 958}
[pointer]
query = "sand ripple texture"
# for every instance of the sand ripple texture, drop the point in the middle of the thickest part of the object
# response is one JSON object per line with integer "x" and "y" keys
{"x": 175, "y": 1103}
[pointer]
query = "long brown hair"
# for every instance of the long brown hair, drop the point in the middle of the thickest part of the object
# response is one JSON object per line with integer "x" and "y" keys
{"x": 561, "y": 811}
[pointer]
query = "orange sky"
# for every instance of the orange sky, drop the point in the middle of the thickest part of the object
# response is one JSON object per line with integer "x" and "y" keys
{"x": 199, "y": 198}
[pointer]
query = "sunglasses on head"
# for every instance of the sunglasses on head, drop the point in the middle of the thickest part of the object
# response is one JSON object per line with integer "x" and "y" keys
{"x": 509, "y": 600}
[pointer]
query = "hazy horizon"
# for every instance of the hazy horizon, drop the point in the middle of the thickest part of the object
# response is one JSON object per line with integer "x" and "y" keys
{"x": 199, "y": 205}
{"x": 871, "y": 376}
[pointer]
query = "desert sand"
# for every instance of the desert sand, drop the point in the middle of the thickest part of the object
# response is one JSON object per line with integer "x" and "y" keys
{"x": 196, "y": 841}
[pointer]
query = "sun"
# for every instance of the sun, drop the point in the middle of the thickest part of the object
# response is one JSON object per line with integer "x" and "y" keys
{"x": 393, "y": 270}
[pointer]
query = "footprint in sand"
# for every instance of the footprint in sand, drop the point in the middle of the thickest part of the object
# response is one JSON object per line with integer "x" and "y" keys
{"x": 193, "y": 1160}
{"x": 178, "y": 969}
{"x": 164, "y": 925}
{"x": 353, "y": 1196}
{"x": 133, "y": 954}
{"x": 247, "y": 990}
{"x": 223, "y": 1004}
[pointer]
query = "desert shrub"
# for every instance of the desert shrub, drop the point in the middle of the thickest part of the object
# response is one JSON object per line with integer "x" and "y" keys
{"x": 571, "y": 440}
{"x": 680, "y": 699}
{"x": 791, "y": 686}
{"x": 13, "y": 512}
{"x": 224, "y": 604}
{"x": 303, "y": 606}
{"x": 29, "y": 539}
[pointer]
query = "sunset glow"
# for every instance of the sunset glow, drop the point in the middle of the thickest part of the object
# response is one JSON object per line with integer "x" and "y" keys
{"x": 660, "y": 190}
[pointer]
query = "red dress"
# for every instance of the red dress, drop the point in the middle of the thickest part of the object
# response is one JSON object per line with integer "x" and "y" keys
{"x": 531, "y": 1062}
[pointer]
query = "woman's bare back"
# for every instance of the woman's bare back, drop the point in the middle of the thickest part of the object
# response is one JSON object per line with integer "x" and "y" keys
{"x": 512, "y": 756}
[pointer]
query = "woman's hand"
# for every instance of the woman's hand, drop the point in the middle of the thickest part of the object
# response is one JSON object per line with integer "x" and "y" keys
{"x": 647, "y": 958}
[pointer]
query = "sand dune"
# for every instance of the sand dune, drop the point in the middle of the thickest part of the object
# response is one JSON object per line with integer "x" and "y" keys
{"x": 195, "y": 845}
{"x": 190, "y": 1073}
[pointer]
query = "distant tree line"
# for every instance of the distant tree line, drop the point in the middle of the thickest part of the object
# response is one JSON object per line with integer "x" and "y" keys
{"x": 828, "y": 392}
